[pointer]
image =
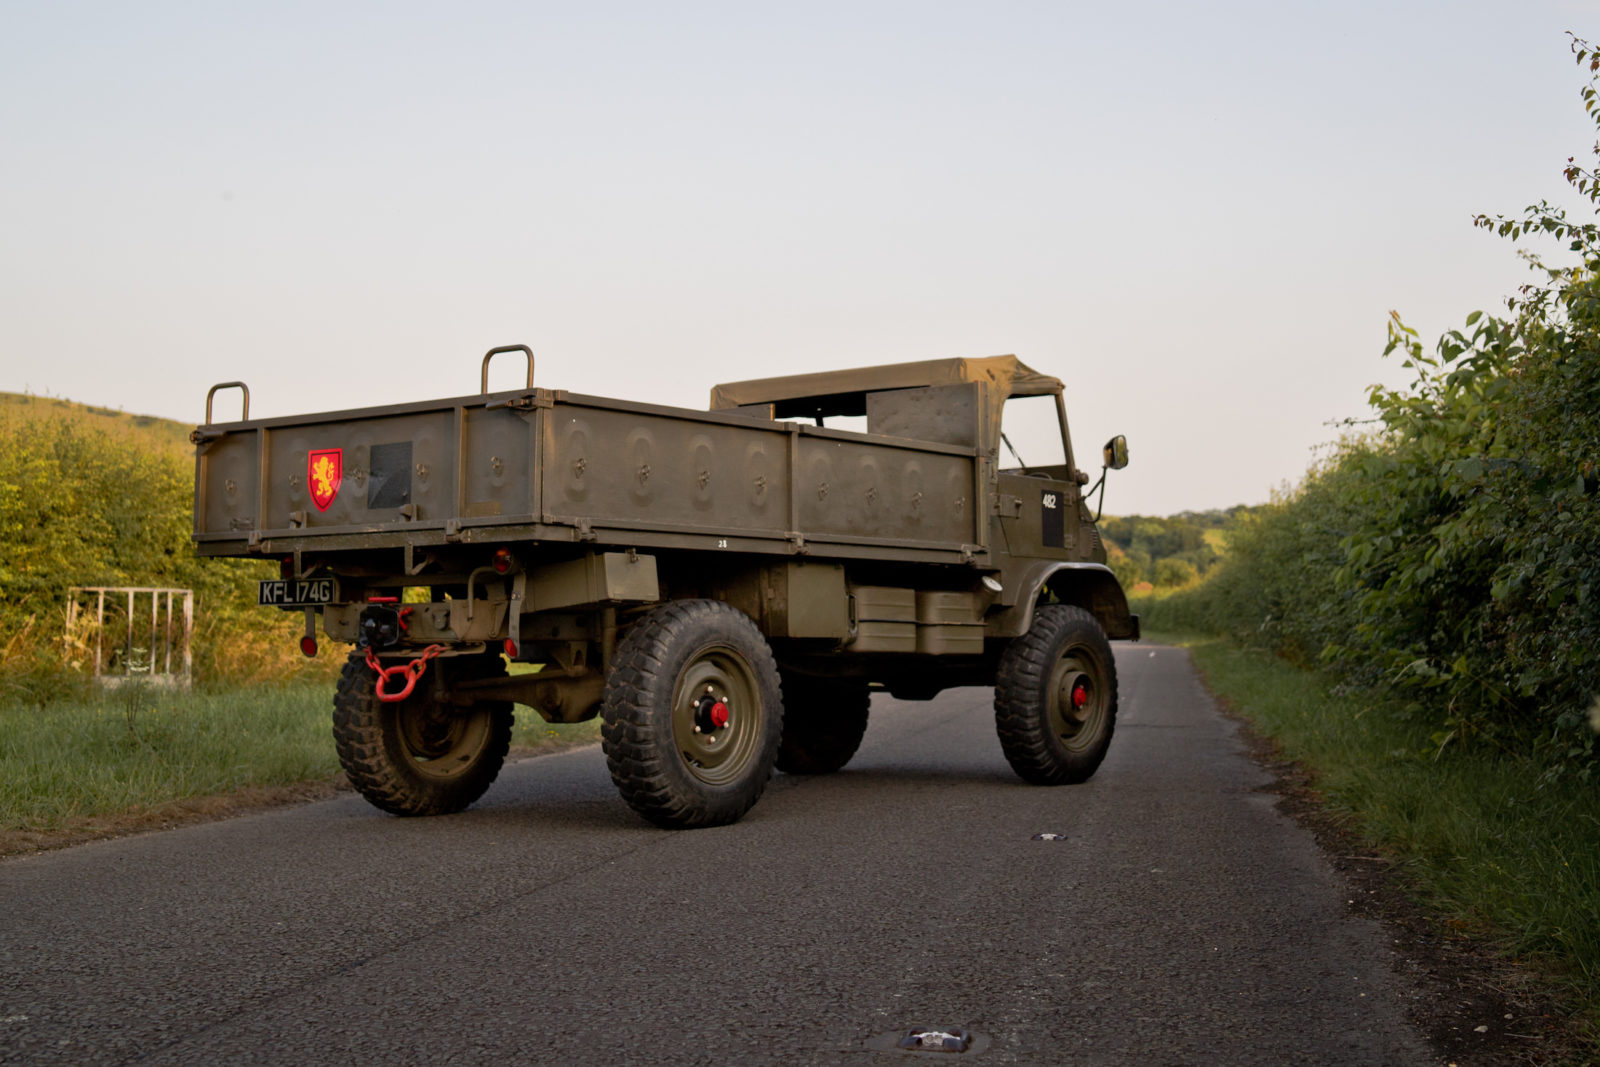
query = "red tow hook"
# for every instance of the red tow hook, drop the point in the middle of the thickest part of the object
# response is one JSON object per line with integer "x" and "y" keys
{"x": 411, "y": 670}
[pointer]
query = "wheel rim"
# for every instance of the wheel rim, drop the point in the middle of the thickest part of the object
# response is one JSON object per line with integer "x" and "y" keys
{"x": 1077, "y": 700}
{"x": 717, "y": 715}
{"x": 441, "y": 743}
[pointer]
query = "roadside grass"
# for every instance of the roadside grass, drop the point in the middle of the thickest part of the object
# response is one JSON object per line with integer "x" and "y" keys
{"x": 532, "y": 732}
{"x": 1488, "y": 841}
{"x": 139, "y": 748}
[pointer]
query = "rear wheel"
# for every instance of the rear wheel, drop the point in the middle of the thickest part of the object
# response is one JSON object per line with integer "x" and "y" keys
{"x": 1055, "y": 698}
{"x": 692, "y": 715}
{"x": 419, "y": 756}
{"x": 824, "y": 720}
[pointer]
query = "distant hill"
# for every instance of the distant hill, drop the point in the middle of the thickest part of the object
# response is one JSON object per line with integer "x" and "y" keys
{"x": 140, "y": 429}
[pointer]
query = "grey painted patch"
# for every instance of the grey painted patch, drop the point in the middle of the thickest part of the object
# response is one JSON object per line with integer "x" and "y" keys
{"x": 389, "y": 485}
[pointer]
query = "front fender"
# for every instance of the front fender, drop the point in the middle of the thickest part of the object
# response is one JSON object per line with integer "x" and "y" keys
{"x": 1090, "y": 586}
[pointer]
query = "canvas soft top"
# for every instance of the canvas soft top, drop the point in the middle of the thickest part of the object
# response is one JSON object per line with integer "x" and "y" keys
{"x": 843, "y": 392}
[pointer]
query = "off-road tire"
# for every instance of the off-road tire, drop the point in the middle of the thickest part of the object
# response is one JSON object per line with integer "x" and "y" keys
{"x": 824, "y": 720}
{"x": 1045, "y": 738}
{"x": 416, "y": 757}
{"x": 666, "y": 666}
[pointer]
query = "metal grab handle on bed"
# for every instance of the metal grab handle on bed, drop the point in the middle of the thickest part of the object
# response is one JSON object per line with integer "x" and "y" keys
{"x": 232, "y": 385}
{"x": 506, "y": 348}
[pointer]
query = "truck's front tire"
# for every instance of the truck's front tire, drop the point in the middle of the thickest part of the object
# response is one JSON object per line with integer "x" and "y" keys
{"x": 692, "y": 714}
{"x": 416, "y": 756}
{"x": 1055, "y": 697}
{"x": 824, "y": 720}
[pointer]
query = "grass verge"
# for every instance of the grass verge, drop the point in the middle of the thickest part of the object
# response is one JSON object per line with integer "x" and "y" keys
{"x": 139, "y": 756}
{"x": 1486, "y": 841}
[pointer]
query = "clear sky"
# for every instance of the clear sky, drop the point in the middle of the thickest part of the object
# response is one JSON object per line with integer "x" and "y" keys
{"x": 1197, "y": 215}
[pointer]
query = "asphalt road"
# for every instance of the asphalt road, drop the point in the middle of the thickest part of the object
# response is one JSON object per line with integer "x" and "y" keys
{"x": 1178, "y": 919}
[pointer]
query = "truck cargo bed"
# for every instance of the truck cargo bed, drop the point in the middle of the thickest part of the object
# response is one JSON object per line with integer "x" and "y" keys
{"x": 546, "y": 465}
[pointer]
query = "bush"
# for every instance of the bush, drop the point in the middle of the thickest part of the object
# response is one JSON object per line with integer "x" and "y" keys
{"x": 1175, "y": 571}
{"x": 94, "y": 501}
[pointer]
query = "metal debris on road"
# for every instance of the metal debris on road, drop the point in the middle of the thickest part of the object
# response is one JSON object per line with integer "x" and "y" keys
{"x": 936, "y": 1040}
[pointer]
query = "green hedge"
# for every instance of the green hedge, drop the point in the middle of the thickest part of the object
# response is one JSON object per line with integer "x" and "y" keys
{"x": 94, "y": 498}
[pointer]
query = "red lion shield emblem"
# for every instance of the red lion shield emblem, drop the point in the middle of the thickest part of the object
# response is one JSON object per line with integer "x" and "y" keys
{"x": 324, "y": 472}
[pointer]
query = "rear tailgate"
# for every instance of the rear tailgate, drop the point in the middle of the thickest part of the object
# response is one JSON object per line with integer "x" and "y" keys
{"x": 406, "y": 468}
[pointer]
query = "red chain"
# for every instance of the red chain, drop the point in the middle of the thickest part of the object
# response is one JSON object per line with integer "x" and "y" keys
{"x": 412, "y": 670}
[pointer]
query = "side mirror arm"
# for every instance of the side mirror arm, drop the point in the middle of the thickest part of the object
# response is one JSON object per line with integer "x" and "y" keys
{"x": 1101, "y": 486}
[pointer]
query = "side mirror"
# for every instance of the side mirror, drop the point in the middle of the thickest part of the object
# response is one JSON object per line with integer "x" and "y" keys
{"x": 1116, "y": 457}
{"x": 1116, "y": 452}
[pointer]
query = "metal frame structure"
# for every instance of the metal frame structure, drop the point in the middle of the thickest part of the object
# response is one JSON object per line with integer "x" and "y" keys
{"x": 173, "y": 629}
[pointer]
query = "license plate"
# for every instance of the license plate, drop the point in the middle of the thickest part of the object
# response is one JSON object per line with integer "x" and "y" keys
{"x": 297, "y": 592}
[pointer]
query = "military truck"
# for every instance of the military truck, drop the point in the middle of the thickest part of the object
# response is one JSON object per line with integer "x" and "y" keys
{"x": 725, "y": 588}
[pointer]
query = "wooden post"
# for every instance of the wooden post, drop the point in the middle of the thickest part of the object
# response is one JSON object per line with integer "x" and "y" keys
{"x": 188, "y": 631}
{"x": 99, "y": 629}
{"x": 127, "y": 642}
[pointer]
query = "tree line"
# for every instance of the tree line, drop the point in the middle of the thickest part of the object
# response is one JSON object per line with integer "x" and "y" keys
{"x": 1170, "y": 552}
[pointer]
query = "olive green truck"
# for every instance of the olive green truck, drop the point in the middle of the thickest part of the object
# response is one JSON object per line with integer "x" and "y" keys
{"x": 724, "y": 588}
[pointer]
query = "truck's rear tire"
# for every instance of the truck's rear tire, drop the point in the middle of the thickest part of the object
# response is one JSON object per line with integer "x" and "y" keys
{"x": 824, "y": 720}
{"x": 692, "y": 715}
{"x": 1055, "y": 697}
{"x": 418, "y": 757}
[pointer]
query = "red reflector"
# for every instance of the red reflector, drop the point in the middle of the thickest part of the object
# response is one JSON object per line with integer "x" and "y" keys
{"x": 308, "y": 645}
{"x": 502, "y": 559}
{"x": 511, "y": 648}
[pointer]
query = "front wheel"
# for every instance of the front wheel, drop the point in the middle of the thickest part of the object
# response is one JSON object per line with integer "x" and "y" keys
{"x": 1055, "y": 697}
{"x": 692, "y": 715}
{"x": 418, "y": 756}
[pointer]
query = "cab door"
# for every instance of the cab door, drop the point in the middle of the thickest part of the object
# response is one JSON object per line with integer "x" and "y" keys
{"x": 1038, "y": 513}
{"x": 1037, "y": 502}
